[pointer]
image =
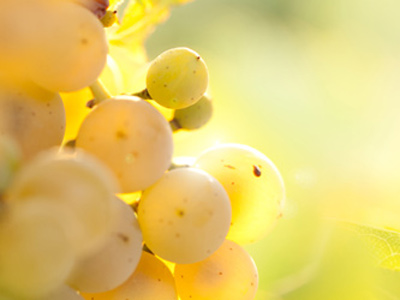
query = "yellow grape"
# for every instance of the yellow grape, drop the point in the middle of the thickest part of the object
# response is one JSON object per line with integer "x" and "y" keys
{"x": 32, "y": 116}
{"x": 184, "y": 216}
{"x": 254, "y": 185}
{"x": 177, "y": 78}
{"x": 70, "y": 47}
{"x": 151, "y": 280}
{"x": 229, "y": 273}
{"x": 115, "y": 260}
{"x": 81, "y": 186}
{"x": 35, "y": 254}
{"x": 131, "y": 137}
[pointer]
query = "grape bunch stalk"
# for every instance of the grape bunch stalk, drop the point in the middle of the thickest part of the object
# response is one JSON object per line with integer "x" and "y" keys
{"x": 69, "y": 228}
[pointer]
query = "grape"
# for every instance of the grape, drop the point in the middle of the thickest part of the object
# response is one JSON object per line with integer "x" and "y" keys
{"x": 80, "y": 185}
{"x": 177, "y": 78}
{"x": 151, "y": 280}
{"x": 195, "y": 116}
{"x": 10, "y": 158}
{"x": 32, "y": 116}
{"x": 35, "y": 253}
{"x": 115, "y": 261}
{"x": 70, "y": 47}
{"x": 254, "y": 186}
{"x": 229, "y": 273}
{"x": 131, "y": 137}
{"x": 184, "y": 216}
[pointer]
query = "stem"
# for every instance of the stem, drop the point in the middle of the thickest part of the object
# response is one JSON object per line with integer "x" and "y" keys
{"x": 99, "y": 92}
{"x": 175, "y": 126}
{"x": 143, "y": 94}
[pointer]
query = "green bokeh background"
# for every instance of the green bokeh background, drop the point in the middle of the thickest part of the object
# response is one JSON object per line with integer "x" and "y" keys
{"x": 314, "y": 85}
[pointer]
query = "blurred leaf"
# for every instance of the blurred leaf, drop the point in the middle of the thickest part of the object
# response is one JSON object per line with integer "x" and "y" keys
{"x": 384, "y": 244}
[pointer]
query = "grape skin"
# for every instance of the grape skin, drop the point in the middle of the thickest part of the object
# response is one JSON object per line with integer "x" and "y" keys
{"x": 184, "y": 216}
{"x": 151, "y": 280}
{"x": 115, "y": 260}
{"x": 177, "y": 78}
{"x": 32, "y": 116}
{"x": 131, "y": 137}
{"x": 254, "y": 185}
{"x": 229, "y": 273}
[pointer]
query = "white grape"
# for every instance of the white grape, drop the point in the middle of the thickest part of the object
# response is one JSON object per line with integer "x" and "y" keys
{"x": 184, "y": 216}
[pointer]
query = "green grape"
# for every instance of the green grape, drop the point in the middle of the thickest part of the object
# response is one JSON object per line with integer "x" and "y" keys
{"x": 184, "y": 216}
{"x": 79, "y": 185}
{"x": 10, "y": 159}
{"x": 229, "y": 273}
{"x": 194, "y": 116}
{"x": 115, "y": 260}
{"x": 151, "y": 280}
{"x": 254, "y": 186}
{"x": 35, "y": 254}
{"x": 70, "y": 47}
{"x": 32, "y": 116}
{"x": 131, "y": 137}
{"x": 177, "y": 78}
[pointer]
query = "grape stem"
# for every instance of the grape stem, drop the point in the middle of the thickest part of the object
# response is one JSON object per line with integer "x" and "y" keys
{"x": 143, "y": 94}
{"x": 175, "y": 126}
{"x": 99, "y": 93}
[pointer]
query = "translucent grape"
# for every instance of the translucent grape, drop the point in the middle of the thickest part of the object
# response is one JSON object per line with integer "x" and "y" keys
{"x": 32, "y": 116}
{"x": 35, "y": 253}
{"x": 229, "y": 273}
{"x": 131, "y": 137}
{"x": 80, "y": 185}
{"x": 184, "y": 216}
{"x": 177, "y": 78}
{"x": 151, "y": 280}
{"x": 194, "y": 116}
{"x": 115, "y": 260}
{"x": 70, "y": 47}
{"x": 254, "y": 185}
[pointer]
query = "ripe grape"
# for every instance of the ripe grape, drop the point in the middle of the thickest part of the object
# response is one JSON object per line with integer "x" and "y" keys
{"x": 254, "y": 186}
{"x": 131, "y": 137}
{"x": 194, "y": 116}
{"x": 32, "y": 116}
{"x": 229, "y": 273}
{"x": 177, "y": 78}
{"x": 79, "y": 185}
{"x": 70, "y": 47}
{"x": 115, "y": 260}
{"x": 151, "y": 280}
{"x": 184, "y": 216}
{"x": 35, "y": 254}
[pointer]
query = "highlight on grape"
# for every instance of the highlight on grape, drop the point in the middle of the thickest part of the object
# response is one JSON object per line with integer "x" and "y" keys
{"x": 67, "y": 230}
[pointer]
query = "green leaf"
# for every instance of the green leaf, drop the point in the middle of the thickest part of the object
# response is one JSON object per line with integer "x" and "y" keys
{"x": 384, "y": 244}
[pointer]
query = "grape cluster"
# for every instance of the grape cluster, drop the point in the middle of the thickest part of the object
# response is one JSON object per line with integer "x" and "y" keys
{"x": 66, "y": 229}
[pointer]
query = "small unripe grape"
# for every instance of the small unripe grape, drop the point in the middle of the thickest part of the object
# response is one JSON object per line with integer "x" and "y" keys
{"x": 195, "y": 116}
{"x": 177, "y": 78}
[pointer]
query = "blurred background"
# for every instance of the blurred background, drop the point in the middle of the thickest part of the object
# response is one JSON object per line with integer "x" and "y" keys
{"x": 314, "y": 85}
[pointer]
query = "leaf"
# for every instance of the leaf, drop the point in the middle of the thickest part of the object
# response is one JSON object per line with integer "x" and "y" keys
{"x": 383, "y": 243}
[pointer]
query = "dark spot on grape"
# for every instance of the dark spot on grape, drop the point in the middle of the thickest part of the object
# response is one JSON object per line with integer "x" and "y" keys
{"x": 220, "y": 273}
{"x": 180, "y": 212}
{"x": 177, "y": 235}
{"x": 198, "y": 57}
{"x": 165, "y": 85}
{"x": 84, "y": 41}
{"x": 230, "y": 167}
{"x": 120, "y": 134}
{"x": 123, "y": 237}
{"x": 194, "y": 72}
{"x": 167, "y": 67}
{"x": 159, "y": 279}
{"x": 231, "y": 249}
{"x": 252, "y": 284}
{"x": 161, "y": 220}
{"x": 33, "y": 113}
{"x": 232, "y": 183}
{"x": 181, "y": 276}
{"x": 48, "y": 104}
{"x": 256, "y": 171}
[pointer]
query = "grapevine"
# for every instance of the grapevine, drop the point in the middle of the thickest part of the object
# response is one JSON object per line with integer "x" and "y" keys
{"x": 93, "y": 203}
